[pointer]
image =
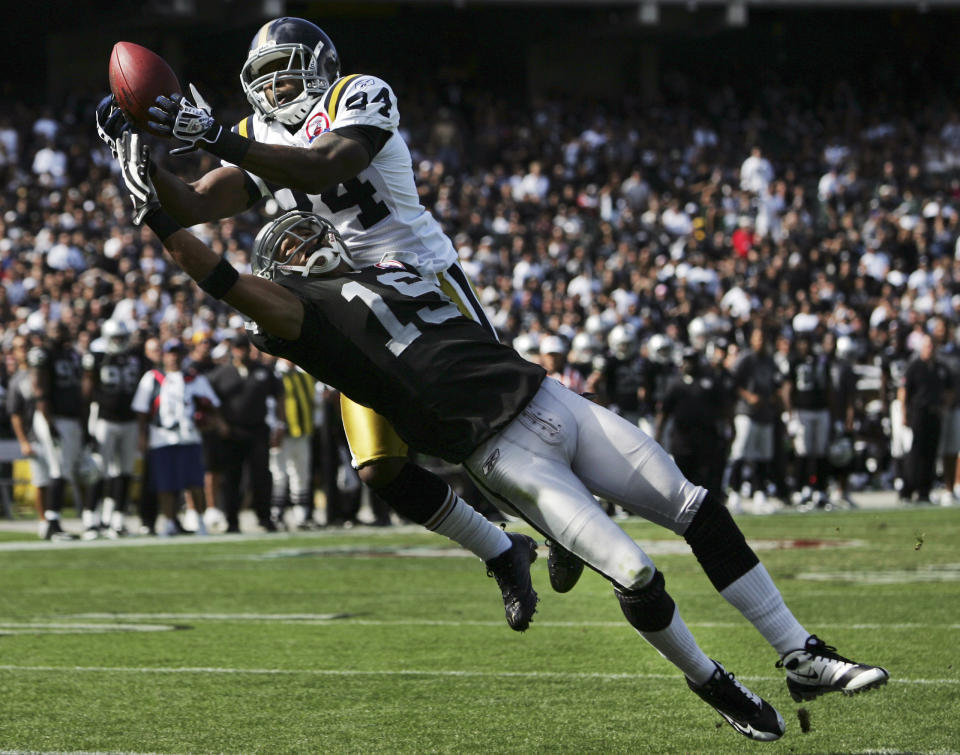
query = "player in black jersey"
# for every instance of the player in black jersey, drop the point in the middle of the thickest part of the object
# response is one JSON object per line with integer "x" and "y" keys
{"x": 60, "y": 403}
{"x": 807, "y": 398}
{"x": 110, "y": 380}
{"x": 391, "y": 341}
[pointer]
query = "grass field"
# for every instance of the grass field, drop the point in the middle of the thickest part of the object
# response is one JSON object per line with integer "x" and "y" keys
{"x": 393, "y": 641}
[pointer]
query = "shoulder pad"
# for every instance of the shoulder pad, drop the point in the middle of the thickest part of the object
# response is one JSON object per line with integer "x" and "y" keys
{"x": 360, "y": 99}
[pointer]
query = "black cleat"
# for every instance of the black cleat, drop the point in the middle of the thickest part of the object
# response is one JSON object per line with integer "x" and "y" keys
{"x": 511, "y": 569}
{"x": 817, "y": 668}
{"x": 744, "y": 710}
{"x": 56, "y": 533}
{"x": 564, "y": 568}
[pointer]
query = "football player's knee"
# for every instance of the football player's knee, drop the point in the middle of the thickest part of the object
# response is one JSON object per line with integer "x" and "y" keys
{"x": 718, "y": 543}
{"x": 648, "y": 608}
{"x": 380, "y": 473}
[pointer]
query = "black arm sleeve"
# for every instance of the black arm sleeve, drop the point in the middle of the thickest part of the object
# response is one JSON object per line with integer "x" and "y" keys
{"x": 370, "y": 137}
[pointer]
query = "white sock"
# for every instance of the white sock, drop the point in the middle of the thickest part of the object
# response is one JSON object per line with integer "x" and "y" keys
{"x": 761, "y": 603}
{"x": 462, "y": 524}
{"x": 51, "y": 515}
{"x": 676, "y": 644}
{"x": 90, "y": 519}
{"x": 109, "y": 506}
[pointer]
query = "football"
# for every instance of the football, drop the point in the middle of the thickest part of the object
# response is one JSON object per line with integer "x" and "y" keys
{"x": 137, "y": 77}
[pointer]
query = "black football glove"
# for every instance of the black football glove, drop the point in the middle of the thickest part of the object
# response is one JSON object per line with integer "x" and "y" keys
{"x": 111, "y": 123}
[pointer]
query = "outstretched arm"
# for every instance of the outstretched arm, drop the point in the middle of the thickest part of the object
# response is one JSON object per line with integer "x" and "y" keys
{"x": 330, "y": 160}
{"x": 270, "y": 305}
{"x": 221, "y": 193}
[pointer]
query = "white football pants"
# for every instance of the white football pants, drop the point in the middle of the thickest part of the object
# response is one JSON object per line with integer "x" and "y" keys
{"x": 561, "y": 450}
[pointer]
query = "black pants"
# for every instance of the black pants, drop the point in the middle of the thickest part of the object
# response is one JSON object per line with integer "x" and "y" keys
{"x": 921, "y": 461}
{"x": 246, "y": 449}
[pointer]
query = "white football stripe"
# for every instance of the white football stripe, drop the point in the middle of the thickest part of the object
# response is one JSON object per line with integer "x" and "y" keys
{"x": 342, "y": 618}
{"x": 402, "y": 672}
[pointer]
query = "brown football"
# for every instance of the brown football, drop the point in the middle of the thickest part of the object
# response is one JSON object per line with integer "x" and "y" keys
{"x": 137, "y": 77}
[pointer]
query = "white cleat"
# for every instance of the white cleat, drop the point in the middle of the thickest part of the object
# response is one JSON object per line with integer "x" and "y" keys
{"x": 817, "y": 669}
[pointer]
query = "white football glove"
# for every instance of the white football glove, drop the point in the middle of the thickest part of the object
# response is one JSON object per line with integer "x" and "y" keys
{"x": 134, "y": 157}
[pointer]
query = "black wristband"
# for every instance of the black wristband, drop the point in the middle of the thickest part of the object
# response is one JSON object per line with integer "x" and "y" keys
{"x": 228, "y": 146}
{"x": 161, "y": 224}
{"x": 219, "y": 280}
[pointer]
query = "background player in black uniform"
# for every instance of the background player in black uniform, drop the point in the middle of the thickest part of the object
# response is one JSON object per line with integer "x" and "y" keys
{"x": 60, "y": 402}
{"x": 110, "y": 380}
{"x": 807, "y": 399}
{"x": 22, "y": 408}
{"x": 396, "y": 344}
{"x": 693, "y": 406}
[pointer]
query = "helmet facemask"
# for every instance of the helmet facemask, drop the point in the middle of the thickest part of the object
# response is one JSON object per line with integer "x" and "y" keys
{"x": 300, "y": 65}
{"x": 298, "y": 242}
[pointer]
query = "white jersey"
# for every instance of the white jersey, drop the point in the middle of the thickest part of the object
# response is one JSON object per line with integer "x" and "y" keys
{"x": 379, "y": 211}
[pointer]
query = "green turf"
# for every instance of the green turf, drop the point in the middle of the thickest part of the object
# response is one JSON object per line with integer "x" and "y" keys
{"x": 423, "y": 661}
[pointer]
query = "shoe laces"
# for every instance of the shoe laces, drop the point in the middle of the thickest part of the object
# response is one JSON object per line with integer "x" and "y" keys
{"x": 818, "y": 649}
{"x": 748, "y": 693}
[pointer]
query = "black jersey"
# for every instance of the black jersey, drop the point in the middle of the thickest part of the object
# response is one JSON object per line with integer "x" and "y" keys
{"x": 61, "y": 382}
{"x": 245, "y": 396}
{"x": 622, "y": 380}
{"x": 391, "y": 341}
{"x": 115, "y": 380}
{"x": 809, "y": 382}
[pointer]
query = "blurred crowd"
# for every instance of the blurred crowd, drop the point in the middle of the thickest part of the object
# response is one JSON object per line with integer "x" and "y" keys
{"x": 635, "y": 249}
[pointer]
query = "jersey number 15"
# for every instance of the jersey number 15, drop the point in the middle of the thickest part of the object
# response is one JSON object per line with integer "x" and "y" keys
{"x": 401, "y": 335}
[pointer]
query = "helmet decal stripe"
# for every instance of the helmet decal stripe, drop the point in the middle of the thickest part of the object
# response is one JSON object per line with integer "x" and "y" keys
{"x": 262, "y": 36}
{"x": 336, "y": 91}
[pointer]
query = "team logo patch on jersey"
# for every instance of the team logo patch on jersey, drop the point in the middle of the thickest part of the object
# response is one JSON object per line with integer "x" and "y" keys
{"x": 390, "y": 265}
{"x": 363, "y": 83}
{"x": 317, "y": 124}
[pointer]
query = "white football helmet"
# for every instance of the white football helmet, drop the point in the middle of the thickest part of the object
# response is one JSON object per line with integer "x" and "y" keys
{"x": 584, "y": 347}
{"x": 528, "y": 346}
{"x": 116, "y": 336}
{"x": 623, "y": 341}
{"x": 660, "y": 348}
{"x": 297, "y": 242}
{"x": 698, "y": 332}
{"x": 847, "y": 348}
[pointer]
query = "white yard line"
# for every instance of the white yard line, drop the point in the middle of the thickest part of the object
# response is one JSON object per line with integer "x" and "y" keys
{"x": 563, "y": 675}
{"x": 341, "y": 618}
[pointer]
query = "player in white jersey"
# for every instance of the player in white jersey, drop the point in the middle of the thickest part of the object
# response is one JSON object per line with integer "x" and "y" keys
{"x": 331, "y": 145}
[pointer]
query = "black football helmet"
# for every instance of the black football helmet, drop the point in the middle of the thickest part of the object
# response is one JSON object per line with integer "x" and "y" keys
{"x": 297, "y": 242}
{"x": 308, "y": 57}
